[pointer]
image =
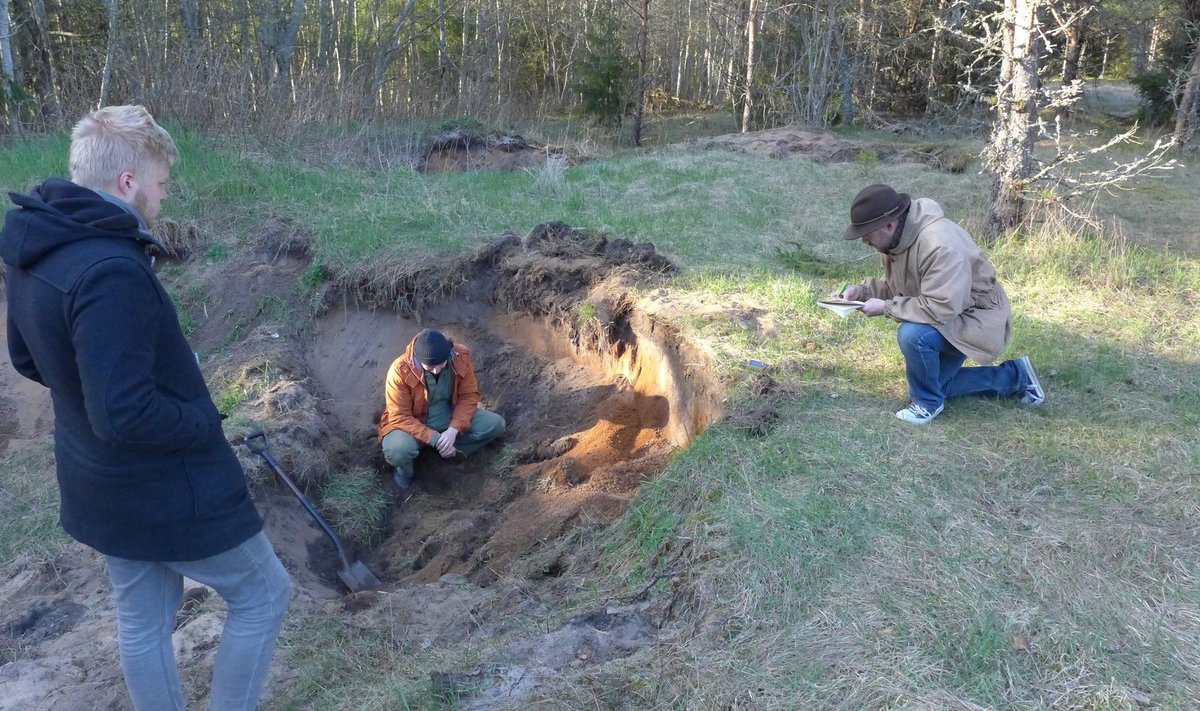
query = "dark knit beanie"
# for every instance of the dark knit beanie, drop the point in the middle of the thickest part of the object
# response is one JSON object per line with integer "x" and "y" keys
{"x": 430, "y": 347}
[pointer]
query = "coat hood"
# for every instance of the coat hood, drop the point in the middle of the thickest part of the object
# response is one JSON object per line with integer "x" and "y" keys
{"x": 59, "y": 212}
{"x": 923, "y": 213}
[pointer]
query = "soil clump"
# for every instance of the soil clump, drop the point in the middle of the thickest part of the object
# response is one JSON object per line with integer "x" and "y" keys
{"x": 465, "y": 149}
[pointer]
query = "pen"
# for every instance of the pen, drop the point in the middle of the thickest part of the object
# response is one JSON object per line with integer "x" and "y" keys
{"x": 842, "y": 293}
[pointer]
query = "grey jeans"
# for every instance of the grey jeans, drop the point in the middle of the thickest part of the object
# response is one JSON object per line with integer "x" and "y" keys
{"x": 256, "y": 589}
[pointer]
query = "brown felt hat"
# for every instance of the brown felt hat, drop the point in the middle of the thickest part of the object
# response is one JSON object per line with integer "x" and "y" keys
{"x": 874, "y": 207}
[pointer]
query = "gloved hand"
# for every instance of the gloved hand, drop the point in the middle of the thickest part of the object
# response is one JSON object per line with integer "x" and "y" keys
{"x": 445, "y": 443}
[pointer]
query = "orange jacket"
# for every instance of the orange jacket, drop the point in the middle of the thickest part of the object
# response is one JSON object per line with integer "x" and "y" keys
{"x": 408, "y": 400}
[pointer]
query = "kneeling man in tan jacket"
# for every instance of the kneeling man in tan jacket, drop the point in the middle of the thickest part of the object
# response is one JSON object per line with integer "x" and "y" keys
{"x": 943, "y": 290}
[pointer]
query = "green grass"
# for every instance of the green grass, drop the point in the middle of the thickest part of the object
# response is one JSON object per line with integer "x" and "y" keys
{"x": 355, "y": 504}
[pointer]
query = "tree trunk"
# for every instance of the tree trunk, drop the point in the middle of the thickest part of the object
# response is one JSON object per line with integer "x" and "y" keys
{"x": 385, "y": 54}
{"x": 8, "y": 71}
{"x": 1189, "y": 105}
{"x": 1072, "y": 30}
{"x": 1010, "y": 154}
{"x": 933, "y": 80}
{"x": 685, "y": 60}
{"x": 50, "y": 85}
{"x": 1157, "y": 30}
{"x": 845, "y": 74}
{"x": 189, "y": 15}
{"x": 639, "y": 107}
{"x": 6, "y": 55}
{"x": 1072, "y": 51}
{"x": 284, "y": 42}
{"x": 110, "y": 54}
{"x": 751, "y": 46}
{"x": 326, "y": 32}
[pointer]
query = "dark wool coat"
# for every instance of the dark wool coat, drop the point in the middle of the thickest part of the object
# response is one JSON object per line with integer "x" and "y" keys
{"x": 143, "y": 467}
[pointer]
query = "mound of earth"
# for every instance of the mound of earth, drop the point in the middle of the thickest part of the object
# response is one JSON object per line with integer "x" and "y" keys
{"x": 598, "y": 390}
{"x": 794, "y": 141}
{"x": 463, "y": 149}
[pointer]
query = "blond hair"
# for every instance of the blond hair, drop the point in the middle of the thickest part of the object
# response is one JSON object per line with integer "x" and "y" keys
{"x": 115, "y": 139}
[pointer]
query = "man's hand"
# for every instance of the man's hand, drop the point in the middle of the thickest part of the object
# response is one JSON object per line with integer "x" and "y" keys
{"x": 873, "y": 307}
{"x": 445, "y": 443}
{"x": 852, "y": 293}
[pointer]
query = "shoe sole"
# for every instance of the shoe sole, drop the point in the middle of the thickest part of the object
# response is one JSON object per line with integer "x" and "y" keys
{"x": 1039, "y": 395}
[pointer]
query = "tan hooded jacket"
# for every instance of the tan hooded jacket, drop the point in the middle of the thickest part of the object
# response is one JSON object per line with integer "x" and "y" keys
{"x": 408, "y": 400}
{"x": 938, "y": 276}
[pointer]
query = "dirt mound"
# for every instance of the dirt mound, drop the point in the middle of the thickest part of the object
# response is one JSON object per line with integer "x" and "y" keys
{"x": 464, "y": 149}
{"x": 792, "y": 141}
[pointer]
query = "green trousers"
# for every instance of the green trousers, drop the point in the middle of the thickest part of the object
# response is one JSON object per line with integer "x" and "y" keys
{"x": 400, "y": 448}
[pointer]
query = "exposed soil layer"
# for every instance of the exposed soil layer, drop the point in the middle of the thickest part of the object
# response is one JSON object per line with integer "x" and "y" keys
{"x": 595, "y": 398}
{"x": 597, "y": 390}
{"x": 793, "y": 141}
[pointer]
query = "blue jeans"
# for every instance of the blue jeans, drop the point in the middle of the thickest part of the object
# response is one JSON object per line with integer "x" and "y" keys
{"x": 256, "y": 589}
{"x": 935, "y": 370}
{"x": 400, "y": 448}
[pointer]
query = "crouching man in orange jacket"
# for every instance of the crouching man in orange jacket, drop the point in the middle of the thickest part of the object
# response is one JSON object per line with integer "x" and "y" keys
{"x": 433, "y": 399}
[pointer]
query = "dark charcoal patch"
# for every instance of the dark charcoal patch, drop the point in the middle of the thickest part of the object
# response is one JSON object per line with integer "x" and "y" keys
{"x": 39, "y": 624}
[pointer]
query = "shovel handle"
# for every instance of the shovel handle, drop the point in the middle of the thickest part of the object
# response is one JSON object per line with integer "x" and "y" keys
{"x": 257, "y": 442}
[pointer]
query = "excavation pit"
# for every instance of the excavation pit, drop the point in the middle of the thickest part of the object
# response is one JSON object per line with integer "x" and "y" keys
{"x": 598, "y": 387}
{"x": 585, "y": 429}
{"x": 597, "y": 395}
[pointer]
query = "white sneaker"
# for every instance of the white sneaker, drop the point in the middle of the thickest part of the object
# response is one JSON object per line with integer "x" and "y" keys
{"x": 1034, "y": 394}
{"x": 916, "y": 415}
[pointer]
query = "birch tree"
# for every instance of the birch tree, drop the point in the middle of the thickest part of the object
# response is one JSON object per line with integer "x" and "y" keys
{"x": 1009, "y": 156}
{"x": 110, "y": 53}
{"x": 8, "y": 74}
{"x": 751, "y": 46}
{"x": 6, "y": 54}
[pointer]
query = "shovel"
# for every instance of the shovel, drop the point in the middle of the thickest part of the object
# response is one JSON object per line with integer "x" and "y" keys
{"x": 357, "y": 576}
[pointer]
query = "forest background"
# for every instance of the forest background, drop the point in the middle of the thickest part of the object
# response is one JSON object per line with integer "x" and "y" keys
{"x": 278, "y": 67}
{"x": 214, "y": 64}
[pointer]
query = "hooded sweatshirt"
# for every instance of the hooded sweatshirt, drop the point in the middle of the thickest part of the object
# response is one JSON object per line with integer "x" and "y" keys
{"x": 143, "y": 466}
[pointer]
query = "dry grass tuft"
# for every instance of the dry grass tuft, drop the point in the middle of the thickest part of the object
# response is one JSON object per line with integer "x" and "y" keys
{"x": 181, "y": 238}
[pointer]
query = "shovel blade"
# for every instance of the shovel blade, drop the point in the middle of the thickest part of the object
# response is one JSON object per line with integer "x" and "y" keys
{"x": 358, "y": 577}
